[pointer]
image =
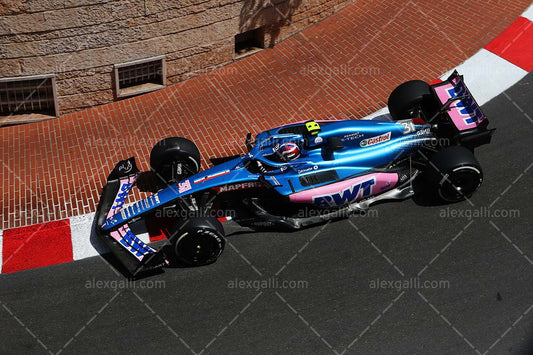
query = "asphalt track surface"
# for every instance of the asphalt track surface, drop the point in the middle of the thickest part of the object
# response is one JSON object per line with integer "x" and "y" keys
{"x": 483, "y": 303}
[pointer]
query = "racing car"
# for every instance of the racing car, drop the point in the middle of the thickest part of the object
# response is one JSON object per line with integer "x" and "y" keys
{"x": 333, "y": 168}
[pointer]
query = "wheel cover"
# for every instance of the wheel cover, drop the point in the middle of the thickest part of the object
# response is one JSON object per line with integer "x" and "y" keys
{"x": 460, "y": 183}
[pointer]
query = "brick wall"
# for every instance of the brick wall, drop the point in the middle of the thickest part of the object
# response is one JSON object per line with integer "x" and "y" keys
{"x": 80, "y": 40}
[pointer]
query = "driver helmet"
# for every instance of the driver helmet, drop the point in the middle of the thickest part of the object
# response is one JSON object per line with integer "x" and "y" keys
{"x": 288, "y": 151}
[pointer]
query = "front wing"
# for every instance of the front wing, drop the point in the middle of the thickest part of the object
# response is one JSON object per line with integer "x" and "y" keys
{"x": 135, "y": 255}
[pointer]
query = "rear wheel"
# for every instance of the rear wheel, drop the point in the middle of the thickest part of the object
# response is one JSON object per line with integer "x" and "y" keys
{"x": 198, "y": 241}
{"x": 174, "y": 159}
{"x": 455, "y": 173}
{"x": 410, "y": 99}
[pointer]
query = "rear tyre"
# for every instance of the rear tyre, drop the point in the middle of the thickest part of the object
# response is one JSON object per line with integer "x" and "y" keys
{"x": 174, "y": 159}
{"x": 455, "y": 173}
{"x": 408, "y": 99}
{"x": 198, "y": 241}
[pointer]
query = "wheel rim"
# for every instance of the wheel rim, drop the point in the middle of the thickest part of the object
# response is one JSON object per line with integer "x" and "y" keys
{"x": 198, "y": 248}
{"x": 459, "y": 184}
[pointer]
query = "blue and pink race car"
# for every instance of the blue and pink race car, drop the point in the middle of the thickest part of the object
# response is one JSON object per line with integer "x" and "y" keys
{"x": 300, "y": 174}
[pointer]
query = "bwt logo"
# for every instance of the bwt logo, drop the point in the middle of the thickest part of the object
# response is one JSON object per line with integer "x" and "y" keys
{"x": 134, "y": 244}
{"x": 121, "y": 196}
{"x": 466, "y": 107}
{"x": 346, "y": 196}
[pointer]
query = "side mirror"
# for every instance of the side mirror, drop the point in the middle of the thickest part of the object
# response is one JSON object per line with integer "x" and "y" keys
{"x": 248, "y": 142}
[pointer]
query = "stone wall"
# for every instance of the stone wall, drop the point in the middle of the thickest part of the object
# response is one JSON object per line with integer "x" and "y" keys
{"x": 80, "y": 40}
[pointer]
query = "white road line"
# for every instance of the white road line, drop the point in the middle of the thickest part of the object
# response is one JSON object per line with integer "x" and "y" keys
{"x": 83, "y": 244}
{"x": 528, "y": 13}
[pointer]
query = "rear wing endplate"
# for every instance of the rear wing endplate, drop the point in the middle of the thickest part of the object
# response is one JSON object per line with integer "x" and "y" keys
{"x": 460, "y": 105}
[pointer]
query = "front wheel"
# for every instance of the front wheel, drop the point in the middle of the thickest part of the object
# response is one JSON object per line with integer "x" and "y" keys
{"x": 174, "y": 159}
{"x": 198, "y": 241}
{"x": 455, "y": 173}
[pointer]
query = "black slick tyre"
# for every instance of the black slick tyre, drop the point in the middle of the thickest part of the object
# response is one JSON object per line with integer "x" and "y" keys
{"x": 455, "y": 173}
{"x": 410, "y": 97}
{"x": 198, "y": 241}
{"x": 174, "y": 159}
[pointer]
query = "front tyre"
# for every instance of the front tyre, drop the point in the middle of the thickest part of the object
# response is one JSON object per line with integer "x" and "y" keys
{"x": 455, "y": 173}
{"x": 198, "y": 241}
{"x": 174, "y": 159}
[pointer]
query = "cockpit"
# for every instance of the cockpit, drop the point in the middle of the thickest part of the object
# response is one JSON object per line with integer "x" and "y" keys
{"x": 291, "y": 148}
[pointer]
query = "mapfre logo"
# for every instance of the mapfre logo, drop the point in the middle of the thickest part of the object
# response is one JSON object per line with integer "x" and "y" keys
{"x": 355, "y": 192}
{"x": 375, "y": 140}
{"x": 238, "y": 186}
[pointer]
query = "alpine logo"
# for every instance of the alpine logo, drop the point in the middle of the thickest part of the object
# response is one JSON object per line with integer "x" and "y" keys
{"x": 375, "y": 140}
{"x": 346, "y": 196}
{"x": 125, "y": 167}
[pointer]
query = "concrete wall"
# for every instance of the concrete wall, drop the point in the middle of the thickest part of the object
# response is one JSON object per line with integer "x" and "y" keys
{"x": 80, "y": 40}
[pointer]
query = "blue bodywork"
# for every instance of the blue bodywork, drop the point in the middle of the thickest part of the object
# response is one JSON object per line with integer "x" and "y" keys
{"x": 349, "y": 148}
{"x": 344, "y": 166}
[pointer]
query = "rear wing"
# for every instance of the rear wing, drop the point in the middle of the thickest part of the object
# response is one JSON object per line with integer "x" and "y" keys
{"x": 460, "y": 108}
{"x": 136, "y": 256}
